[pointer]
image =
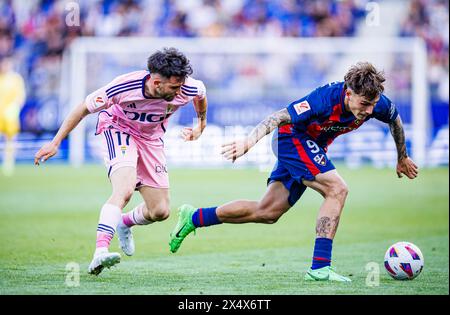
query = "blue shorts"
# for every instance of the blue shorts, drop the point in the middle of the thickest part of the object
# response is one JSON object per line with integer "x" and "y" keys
{"x": 298, "y": 158}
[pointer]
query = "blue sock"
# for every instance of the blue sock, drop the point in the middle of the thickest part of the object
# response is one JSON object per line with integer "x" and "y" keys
{"x": 205, "y": 217}
{"x": 322, "y": 253}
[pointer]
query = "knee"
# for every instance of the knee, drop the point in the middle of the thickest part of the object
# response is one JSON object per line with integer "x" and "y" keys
{"x": 268, "y": 213}
{"x": 270, "y": 217}
{"x": 160, "y": 213}
{"x": 123, "y": 197}
{"x": 338, "y": 190}
{"x": 127, "y": 195}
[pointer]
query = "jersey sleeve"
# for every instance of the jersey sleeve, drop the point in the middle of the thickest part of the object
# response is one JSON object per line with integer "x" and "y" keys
{"x": 104, "y": 97}
{"x": 194, "y": 88}
{"x": 201, "y": 93}
{"x": 306, "y": 108}
{"x": 385, "y": 110}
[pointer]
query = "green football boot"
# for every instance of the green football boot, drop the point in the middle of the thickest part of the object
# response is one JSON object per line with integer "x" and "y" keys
{"x": 325, "y": 274}
{"x": 183, "y": 227}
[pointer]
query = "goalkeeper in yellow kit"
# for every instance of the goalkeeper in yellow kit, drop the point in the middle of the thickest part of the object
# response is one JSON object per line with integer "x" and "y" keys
{"x": 12, "y": 98}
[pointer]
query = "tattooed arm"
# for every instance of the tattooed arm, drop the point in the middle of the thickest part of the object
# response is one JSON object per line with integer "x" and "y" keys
{"x": 201, "y": 107}
{"x": 404, "y": 164}
{"x": 237, "y": 148}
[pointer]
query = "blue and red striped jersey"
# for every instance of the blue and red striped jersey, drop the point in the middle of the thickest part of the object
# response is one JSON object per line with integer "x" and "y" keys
{"x": 322, "y": 115}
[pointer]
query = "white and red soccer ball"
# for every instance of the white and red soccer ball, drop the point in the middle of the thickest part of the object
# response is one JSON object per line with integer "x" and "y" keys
{"x": 403, "y": 261}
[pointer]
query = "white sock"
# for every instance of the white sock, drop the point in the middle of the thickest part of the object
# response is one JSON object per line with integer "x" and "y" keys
{"x": 100, "y": 250}
{"x": 110, "y": 216}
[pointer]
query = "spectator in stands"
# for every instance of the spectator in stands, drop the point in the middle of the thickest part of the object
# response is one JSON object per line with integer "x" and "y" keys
{"x": 36, "y": 30}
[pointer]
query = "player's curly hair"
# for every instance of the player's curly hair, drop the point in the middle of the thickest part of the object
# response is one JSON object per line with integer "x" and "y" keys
{"x": 169, "y": 62}
{"x": 365, "y": 80}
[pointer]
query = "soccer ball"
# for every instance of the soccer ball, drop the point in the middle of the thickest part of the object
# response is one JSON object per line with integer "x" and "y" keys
{"x": 403, "y": 261}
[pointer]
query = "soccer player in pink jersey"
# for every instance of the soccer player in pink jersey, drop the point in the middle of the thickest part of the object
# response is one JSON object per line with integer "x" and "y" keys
{"x": 133, "y": 112}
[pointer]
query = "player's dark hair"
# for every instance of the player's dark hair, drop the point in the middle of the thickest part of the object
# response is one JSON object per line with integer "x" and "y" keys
{"x": 365, "y": 80}
{"x": 169, "y": 62}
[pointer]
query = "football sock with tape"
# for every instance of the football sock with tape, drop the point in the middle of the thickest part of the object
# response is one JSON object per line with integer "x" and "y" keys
{"x": 135, "y": 217}
{"x": 110, "y": 216}
{"x": 205, "y": 217}
{"x": 322, "y": 253}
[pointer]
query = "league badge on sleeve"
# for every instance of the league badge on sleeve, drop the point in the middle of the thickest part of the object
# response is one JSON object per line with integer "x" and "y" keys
{"x": 302, "y": 107}
{"x": 320, "y": 159}
{"x": 99, "y": 101}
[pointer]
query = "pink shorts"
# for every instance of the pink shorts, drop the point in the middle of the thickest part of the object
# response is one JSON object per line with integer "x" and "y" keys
{"x": 119, "y": 149}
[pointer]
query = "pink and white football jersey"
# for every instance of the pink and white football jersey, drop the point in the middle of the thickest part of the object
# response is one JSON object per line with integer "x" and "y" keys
{"x": 123, "y": 105}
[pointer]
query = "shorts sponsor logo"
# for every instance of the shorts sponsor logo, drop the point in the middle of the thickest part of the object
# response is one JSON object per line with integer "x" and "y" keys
{"x": 160, "y": 169}
{"x": 302, "y": 107}
{"x": 123, "y": 149}
{"x": 320, "y": 159}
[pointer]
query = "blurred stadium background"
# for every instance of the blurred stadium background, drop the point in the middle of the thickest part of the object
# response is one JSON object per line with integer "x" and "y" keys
{"x": 255, "y": 57}
{"x": 243, "y": 86}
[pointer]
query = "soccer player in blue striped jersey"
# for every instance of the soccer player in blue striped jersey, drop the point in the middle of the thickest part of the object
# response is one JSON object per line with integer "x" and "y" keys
{"x": 305, "y": 130}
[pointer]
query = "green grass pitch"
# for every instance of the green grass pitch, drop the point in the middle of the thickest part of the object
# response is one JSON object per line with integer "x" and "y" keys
{"x": 49, "y": 216}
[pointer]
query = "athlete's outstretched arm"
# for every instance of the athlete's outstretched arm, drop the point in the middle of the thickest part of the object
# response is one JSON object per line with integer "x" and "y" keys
{"x": 404, "y": 164}
{"x": 237, "y": 148}
{"x": 72, "y": 120}
{"x": 201, "y": 107}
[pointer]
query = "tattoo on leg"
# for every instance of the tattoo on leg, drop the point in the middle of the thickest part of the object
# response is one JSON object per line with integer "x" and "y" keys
{"x": 335, "y": 224}
{"x": 323, "y": 226}
{"x": 326, "y": 227}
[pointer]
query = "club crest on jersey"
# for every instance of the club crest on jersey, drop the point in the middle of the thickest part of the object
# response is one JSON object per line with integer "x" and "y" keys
{"x": 302, "y": 107}
{"x": 320, "y": 159}
{"x": 99, "y": 101}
